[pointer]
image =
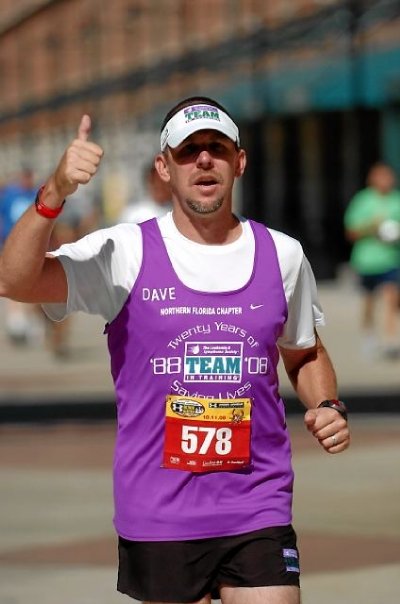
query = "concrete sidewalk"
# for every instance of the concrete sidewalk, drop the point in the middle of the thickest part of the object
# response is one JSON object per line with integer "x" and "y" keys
{"x": 32, "y": 376}
{"x": 57, "y": 540}
{"x": 58, "y": 544}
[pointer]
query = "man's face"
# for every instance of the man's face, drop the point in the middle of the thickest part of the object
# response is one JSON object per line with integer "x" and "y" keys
{"x": 202, "y": 170}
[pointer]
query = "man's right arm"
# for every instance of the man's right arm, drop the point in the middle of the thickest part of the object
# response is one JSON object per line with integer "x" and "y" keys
{"x": 27, "y": 272}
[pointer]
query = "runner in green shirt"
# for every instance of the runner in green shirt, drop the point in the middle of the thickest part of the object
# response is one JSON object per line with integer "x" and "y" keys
{"x": 372, "y": 222}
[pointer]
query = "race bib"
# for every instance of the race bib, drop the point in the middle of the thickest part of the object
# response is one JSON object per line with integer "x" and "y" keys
{"x": 207, "y": 435}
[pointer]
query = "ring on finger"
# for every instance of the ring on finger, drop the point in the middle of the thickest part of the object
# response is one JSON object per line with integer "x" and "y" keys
{"x": 334, "y": 440}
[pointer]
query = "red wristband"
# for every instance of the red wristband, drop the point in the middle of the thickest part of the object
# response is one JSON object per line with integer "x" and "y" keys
{"x": 44, "y": 210}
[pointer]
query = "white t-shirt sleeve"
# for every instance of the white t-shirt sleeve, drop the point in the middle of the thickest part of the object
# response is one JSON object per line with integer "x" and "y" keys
{"x": 304, "y": 309}
{"x": 101, "y": 269}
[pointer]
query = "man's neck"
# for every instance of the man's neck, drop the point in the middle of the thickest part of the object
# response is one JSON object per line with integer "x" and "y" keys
{"x": 212, "y": 229}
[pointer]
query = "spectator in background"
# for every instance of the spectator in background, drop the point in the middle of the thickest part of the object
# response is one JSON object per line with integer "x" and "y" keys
{"x": 372, "y": 222}
{"x": 156, "y": 203}
{"x": 21, "y": 320}
{"x": 78, "y": 218}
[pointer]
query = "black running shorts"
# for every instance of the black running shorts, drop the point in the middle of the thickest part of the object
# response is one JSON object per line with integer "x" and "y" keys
{"x": 186, "y": 571}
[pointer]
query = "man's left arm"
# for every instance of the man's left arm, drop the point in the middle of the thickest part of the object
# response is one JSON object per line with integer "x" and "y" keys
{"x": 313, "y": 377}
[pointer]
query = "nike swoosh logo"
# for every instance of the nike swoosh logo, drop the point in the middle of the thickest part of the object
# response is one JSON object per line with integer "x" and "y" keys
{"x": 255, "y": 306}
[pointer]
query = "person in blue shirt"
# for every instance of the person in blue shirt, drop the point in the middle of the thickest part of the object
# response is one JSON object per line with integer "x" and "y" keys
{"x": 16, "y": 197}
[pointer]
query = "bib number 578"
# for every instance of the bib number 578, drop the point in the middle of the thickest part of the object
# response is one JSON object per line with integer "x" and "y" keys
{"x": 198, "y": 439}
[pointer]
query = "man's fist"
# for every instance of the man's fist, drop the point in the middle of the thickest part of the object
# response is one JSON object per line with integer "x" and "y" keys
{"x": 329, "y": 428}
{"x": 79, "y": 163}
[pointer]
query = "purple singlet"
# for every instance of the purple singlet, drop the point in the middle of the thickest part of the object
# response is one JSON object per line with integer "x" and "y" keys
{"x": 171, "y": 340}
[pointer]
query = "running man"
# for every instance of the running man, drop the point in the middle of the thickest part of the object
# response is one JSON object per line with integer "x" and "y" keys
{"x": 199, "y": 305}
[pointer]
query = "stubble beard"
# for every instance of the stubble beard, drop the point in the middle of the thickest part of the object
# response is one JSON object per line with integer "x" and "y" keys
{"x": 204, "y": 208}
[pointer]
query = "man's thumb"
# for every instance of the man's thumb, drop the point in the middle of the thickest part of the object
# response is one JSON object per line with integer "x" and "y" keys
{"x": 84, "y": 128}
{"x": 310, "y": 418}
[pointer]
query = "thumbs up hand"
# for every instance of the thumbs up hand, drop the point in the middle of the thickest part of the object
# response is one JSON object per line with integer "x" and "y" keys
{"x": 79, "y": 163}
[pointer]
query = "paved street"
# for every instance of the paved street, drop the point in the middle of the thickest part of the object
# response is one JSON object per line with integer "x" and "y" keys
{"x": 57, "y": 541}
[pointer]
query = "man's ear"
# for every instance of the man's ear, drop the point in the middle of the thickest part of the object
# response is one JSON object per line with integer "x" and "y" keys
{"x": 241, "y": 162}
{"x": 161, "y": 165}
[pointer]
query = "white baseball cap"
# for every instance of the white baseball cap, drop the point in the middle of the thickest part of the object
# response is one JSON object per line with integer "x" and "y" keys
{"x": 196, "y": 117}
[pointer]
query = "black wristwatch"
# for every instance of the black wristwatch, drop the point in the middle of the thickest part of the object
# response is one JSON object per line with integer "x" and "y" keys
{"x": 339, "y": 406}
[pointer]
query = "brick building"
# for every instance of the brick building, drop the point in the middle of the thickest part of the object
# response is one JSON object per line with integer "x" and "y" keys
{"x": 314, "y": 84}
